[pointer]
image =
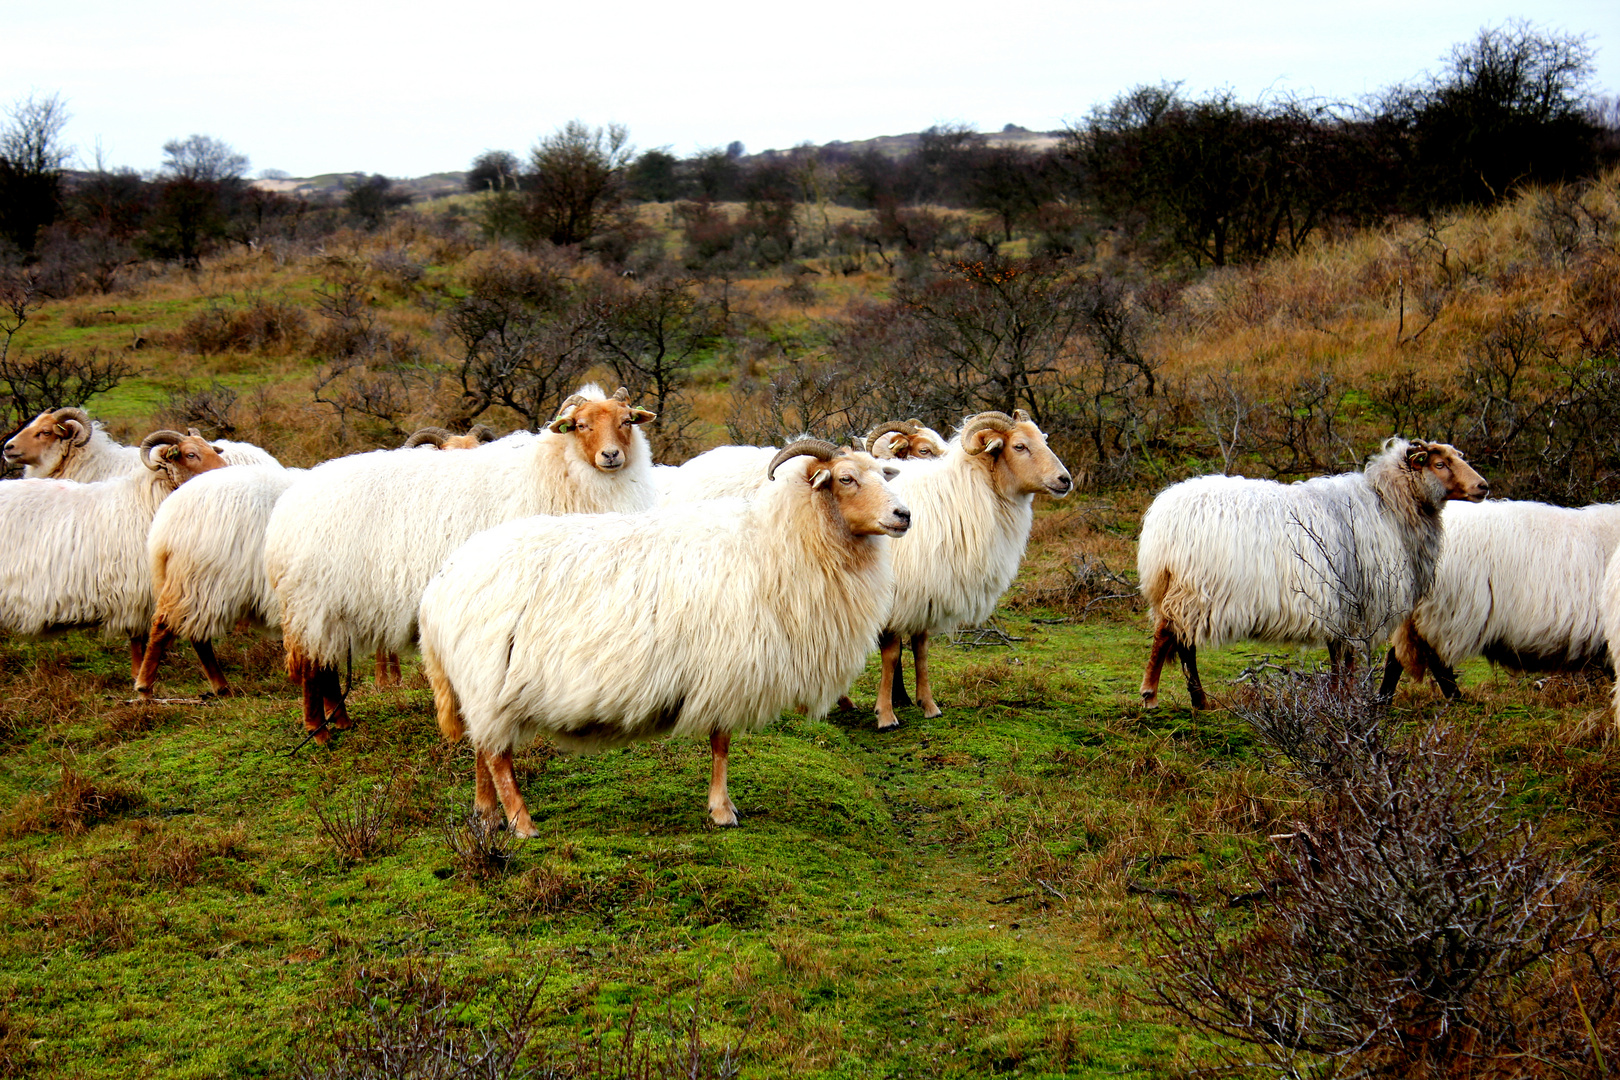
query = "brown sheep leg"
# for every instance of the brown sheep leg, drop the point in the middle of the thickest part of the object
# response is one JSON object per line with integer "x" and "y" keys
{"x": 889, "y": 650}
{"x": 157, "y": 643}
{"x": 722, "y": 811}
{"x": 337, "y": 715}
{"x": 925, "y": 690}
{"x": 1392, "y": 676}
{"x": 1189, "y": 665}
{"x": 137, "y": 653}
{"x": 517, "y": 815}
{"x": 484, "y": 801}
{"x": 210, "y": 665}
{"x": 314, "y": 714}
{"x": 1164, "y": 640}
{"x": 387, "y": 673}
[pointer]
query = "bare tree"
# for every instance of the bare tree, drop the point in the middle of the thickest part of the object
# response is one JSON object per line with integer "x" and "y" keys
{"x": 31, "y": 161}
{"x": 576, "y": 181}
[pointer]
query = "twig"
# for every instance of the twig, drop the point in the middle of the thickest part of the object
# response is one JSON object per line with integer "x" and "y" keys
{"x": 1042, "y": 883}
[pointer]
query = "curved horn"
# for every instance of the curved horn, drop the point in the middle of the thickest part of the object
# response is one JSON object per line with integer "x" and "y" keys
{"x": 483, "y": 433}
{"x": 820, "y": 449}
{"x": 82, "y": 433}
{"x": 157, "y": 438}
{"x": 993, "y": 421}
{"x": 622, "y": 394}
{"x": 906, "y": 427}
{"x": 428, "y": 436}
{"x": 570, "y": 402}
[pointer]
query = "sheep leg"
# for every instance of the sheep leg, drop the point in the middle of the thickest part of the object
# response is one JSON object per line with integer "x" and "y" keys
{"x": 210, "y": 665}
{"x": 1392, "y": 676}
{"x": 314, "y": 714}
{"x": 925, "y": 690}
{"x": 517, "y": 815}
{"x": 897, "y": 694}
{"x": 393, "y": 668}
{"x": 1189, "y": 665}
{"x": 722, "y": 811}
{"x": 1164, "y": 640}
{"x": 157, "y": 643}
{"x": 889, "y": 650}
{"x": 337, "y": 715}
{"x": 137, "y": 653}
{"x": 484, "y": 800}
{"x": 383, "y": 667}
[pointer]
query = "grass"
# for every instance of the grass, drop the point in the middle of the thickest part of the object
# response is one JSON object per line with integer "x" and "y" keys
{"x": 956, "y": 898}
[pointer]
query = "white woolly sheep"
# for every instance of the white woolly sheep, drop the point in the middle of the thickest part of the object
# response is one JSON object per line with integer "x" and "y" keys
{"x": 703, "y": 619}
{"x": 1519, "y": 583}
{"x": 1327, "y": 561}
{"x": 350, "y": 546}
{"x": 206, "y": 547}
{"x": 77, "y": 552}
{"x": 65, "y": 444}
{"x": 974, "y": 509}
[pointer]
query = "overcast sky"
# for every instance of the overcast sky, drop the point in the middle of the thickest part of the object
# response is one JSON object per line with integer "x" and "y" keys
{"x": 409, "y": 88}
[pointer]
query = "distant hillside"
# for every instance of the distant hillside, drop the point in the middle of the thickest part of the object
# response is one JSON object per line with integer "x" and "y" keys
{"x": 439, "y": 184}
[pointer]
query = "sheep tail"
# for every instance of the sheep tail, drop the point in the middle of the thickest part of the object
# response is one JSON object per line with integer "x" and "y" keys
{"x": 445, "y": 705}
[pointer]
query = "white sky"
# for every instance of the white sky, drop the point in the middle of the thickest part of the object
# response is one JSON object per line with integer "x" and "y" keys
{"x": 408, "y": 88}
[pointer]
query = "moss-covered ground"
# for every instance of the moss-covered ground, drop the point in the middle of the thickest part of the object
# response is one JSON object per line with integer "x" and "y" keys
{"x": 959, "y": 897}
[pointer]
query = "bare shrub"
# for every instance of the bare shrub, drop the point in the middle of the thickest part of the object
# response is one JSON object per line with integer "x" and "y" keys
{"x": 262, "y": 325}
{"x": 415, "y": 1022}
{"x": 482, "y": 850}
{"x": 360, "y": 827}
{"x": 1407, "y": 923}
{"x": 211, "y": 410}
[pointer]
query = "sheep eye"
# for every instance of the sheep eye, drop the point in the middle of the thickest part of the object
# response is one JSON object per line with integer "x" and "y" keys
{"x": 1021, "y": 447}
{"x": 846, "y": 479}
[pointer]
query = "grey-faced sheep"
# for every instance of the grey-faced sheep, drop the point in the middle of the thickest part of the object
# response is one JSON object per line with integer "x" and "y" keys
{"x": 77, "y": 552}
{"x": 704, "y": 619}
{"x": 1519, "y": 583}
{"x": 1328, "y": 561}
{"x": 350, "y": 546}
{"x": 974, "y": 509}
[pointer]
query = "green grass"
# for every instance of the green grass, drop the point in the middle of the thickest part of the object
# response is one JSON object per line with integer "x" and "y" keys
{"x": 947, "y": 899}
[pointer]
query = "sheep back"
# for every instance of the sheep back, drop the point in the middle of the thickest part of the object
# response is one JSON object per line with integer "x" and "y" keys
{"x": 206, "y": 549}
{"x": 1520, "y": 583}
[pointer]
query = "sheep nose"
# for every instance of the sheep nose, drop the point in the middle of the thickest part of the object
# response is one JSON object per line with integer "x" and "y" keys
{"x": 903, "y": 514}
{"x": 609, "y": 457}
{"x": 1062, "y": 485}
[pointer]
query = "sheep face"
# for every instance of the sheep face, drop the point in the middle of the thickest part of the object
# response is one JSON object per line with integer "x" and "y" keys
{"x": 180, "y": 456}
{"x": 1446, "y": 467}
{"x": 1017, "y": 451}
{"x": 858, "y": 486}
{"x": 906, "y": 441}
{"x": 41, "y": 442}
{"x": 602, "y": 429}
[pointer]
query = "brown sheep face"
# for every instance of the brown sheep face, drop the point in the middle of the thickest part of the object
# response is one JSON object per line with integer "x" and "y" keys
{"x": 918, "y": 446}
{"x": 603, "y": 430}
{"x": 186, "y": 458}
{"x": 1024, "y": 464}
{"x": 1445, "y": 463}
{"x": 859, "y": 487}
{"x": 41, "y": 441}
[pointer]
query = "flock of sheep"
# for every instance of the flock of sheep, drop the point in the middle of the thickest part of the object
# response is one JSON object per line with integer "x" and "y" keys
{"x": 559, "y": 583}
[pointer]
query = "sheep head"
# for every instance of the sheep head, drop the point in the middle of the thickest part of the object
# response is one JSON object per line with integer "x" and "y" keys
{"x": 854, "y": 482}
{"x": 604, "y": 429}
{"x": 1015, "y": 449}
{"x": 1445, "y": 464}
{"x": 42, "y": 441}
{"x": 904, "y": 439}
{"x": 444, "y": 439}
{"x": 179, "y": 456}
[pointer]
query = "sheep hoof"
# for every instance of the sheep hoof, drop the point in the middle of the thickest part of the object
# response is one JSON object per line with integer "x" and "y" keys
{"x": 525, "y": 832}
{"x": 725, "y": 815}
{"x": 932, "y": 713}
{"x": 1150, "y": 699}
{"x": 323, "y": 736}
{"x": 888, "y": 725}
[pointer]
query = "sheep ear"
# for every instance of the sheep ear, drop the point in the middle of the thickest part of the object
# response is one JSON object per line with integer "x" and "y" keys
{"x": 992, "y": 443}
{"x": 562, "y": 425}
{"x": 216, "y": 449}
{"x": 890, "y": 472}
{"x": 642, "y": 416}
{"x": 821, "y": 478}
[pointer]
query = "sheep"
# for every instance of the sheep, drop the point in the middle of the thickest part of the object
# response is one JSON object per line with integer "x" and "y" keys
{"x": 703, "y": 619}
{"x": 350, "y": 546}
{"x": 65, "y": 444}
{"x": 974, "y": 509}
{"x": 206, "y": 548}
{"x": 1327, "y": 561}
{"x": 447, "y": 440}
{"x": 1517, "y": 582}
{"x": 905, "y": 440}
{"x": 78, "y": 551}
